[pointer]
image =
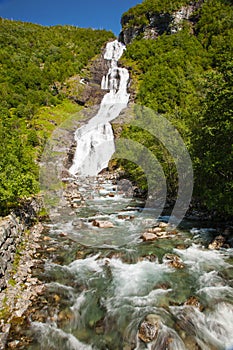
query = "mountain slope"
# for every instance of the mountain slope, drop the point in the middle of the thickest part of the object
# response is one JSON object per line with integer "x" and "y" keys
{"x": 182, "y": 68}
{"x": 35, "y": 61}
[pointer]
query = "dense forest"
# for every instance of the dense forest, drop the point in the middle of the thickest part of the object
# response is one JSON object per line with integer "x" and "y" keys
{"x": 187, "y": 77}
{"x": 34, "y": 61}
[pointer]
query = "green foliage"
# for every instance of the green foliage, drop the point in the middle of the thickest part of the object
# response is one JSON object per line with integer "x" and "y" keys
{"x": 212, "y": 136}
{"x": 34, "y": 60}
{"x": 187, "y": 78}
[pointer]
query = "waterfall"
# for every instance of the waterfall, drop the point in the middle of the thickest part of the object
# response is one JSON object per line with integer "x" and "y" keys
{"x": 95, "y": 140}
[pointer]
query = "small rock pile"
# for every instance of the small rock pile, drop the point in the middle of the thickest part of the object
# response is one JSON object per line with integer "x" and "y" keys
{"x": 158, "y": 231}
{"x": 73, "y": 196}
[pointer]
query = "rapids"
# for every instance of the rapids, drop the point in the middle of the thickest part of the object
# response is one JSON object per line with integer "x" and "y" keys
{"x": 101, "y": 283}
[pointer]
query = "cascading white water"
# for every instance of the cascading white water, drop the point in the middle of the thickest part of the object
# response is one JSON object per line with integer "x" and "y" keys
{"x": 95, "y": 140}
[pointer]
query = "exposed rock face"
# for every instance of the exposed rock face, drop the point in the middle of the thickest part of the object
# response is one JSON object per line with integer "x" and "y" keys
{"x": 158, "y": 23}
{"x": 98, "y": 69}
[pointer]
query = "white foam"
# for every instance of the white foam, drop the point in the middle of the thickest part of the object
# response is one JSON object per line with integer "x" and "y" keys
{"x": 50, "y": 336}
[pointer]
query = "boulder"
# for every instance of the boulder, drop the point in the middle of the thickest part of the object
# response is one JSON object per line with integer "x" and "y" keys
{"x": 150, "y": 257}
{"x": 154, "y": 230}
{"x": 218, "y": 242}
{"x": 148, "y": 329}
{"x": 102, "y": 224}
{"x": 173, "y": 261}
{"x": 193, "y": 301}
{"x": 163, "y": 225}
{"x": 148, "y": 236}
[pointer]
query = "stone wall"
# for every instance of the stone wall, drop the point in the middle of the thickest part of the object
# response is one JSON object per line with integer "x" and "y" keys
{"x": 12, "y": 228}
{"x": 11, "y": 231}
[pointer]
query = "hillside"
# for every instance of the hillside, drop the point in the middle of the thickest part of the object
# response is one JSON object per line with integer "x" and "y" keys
{"x": 180, "y": 56}
{"x": 35, "y": 62}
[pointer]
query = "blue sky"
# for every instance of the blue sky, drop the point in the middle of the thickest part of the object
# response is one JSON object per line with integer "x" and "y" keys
{"x": 101, "y": 14}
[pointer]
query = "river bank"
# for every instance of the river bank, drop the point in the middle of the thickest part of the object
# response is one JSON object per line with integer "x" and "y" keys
{"x": 20, "y": 235}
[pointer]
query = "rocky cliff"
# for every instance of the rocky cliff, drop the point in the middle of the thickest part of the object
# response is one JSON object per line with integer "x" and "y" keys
{"x": 158, "y": 23}
{"x": 85, "y": 89}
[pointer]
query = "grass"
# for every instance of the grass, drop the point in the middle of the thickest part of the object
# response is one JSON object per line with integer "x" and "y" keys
{"x": 48, "y": 118}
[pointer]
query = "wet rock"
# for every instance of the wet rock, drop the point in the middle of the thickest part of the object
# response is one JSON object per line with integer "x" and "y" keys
{"x": 77, "y": 223}
{"x": 80, "y": 254}
{"x": 102, "y": 224}
{"x": 218, "y": 242}
{"x": 148, "y": 329}
{"x": 51, "y": 249}
{"x": 181, "y": 246}
{"x": 193, "y": 301}
{"x": 115, "y": 255}
{"x": 147, "y": 237}
{"x": 13, "y": 344}
{"x": 47, "y": 238}
{"x": 151, "y": 258}
{"x": 173, "y": 261}
{"x": 126, "y": 217}
{"x": 63, "y": 234}
{"x": 111, "y": 194}
{"x": 155, "y": 233}
{"x": 56, "y": 298}
{"x": 163, "y": 224}
{"x": 65, "y": 316}
{"x": 76, "y": 205}
{"x": 163, "y": 286}
{"x": 154, "y": 230}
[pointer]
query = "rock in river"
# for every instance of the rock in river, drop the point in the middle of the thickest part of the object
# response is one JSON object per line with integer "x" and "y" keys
{"x": 149, "y": 328}
{"x": 218, "y": 242}
{"x": 102, "y": 224}
{"x": 173, "y": 261}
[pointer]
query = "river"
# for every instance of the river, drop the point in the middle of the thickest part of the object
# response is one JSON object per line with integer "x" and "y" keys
{"x": 106, "y": 286}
